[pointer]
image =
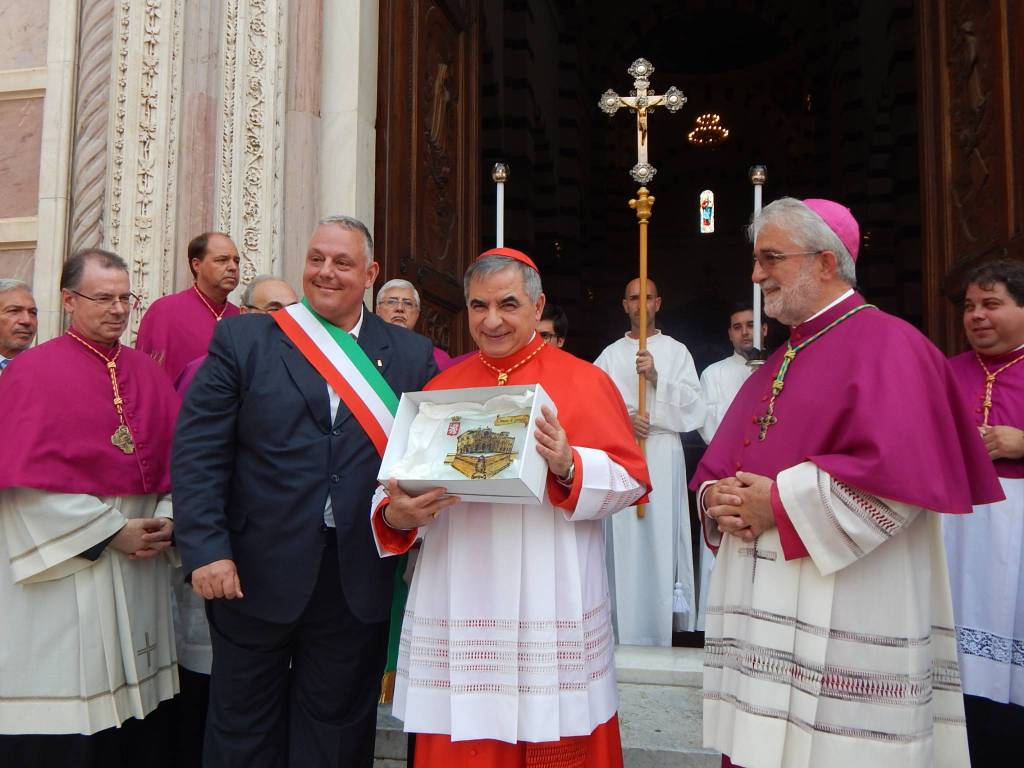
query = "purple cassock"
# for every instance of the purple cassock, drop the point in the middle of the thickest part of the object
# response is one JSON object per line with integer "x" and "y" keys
{"x": 873, "y": 403}
{"x": 60, "y": 417}
{"x": 1007, "y": 397}
{"x": 177, "y": 329}
{"x": 442, "y": 358}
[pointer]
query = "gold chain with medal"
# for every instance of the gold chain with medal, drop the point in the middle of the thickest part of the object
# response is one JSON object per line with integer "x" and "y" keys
{"x": 504, "y": 372}
{"x": 216, "y": 316}
{"x": 122, "y": 437}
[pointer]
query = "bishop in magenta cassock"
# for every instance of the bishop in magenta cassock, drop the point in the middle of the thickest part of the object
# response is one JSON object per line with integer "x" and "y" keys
{"x": 85, "y": 520}
{"x": 177, "y": 329}
{"x": 506, "y": 652}
{"x": 830, "y": 637}
{"x": 986, "y": 549}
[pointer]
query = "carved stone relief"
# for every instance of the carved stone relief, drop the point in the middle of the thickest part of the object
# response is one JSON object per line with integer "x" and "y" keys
{"x": 142, "y": 169}
{"x": 250, "y": 172}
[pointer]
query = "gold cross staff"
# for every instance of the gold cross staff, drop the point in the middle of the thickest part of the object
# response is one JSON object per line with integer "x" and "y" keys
{"x": 641, "y": 101}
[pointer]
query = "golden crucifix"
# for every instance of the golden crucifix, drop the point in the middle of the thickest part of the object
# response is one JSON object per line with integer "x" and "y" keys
{"x": 640, "y": 101}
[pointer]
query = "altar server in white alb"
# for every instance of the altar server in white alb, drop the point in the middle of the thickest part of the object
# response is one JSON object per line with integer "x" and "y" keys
{"x": 653, "y": 554}
{"x": 720, "y": 381}
{"x": 87, "y": 647}
{"x": 986, "y": 549}
{"x": 507, "y": 652}
{"x": 719, "y": 384}
{"x": 830, "y": 636}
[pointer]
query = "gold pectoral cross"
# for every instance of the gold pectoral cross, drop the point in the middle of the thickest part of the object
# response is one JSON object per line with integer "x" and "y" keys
{"x": 122, "y": 439}
{"x": 765, "y": 421}
{"x": 502, "y": 378}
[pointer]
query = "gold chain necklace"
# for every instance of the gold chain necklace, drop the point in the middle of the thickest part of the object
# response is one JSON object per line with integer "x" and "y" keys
{"x": 990, "y": 382}
{"x": 213, "y": 312}
{"x": 122, "y": 437}
{"x": 503, "y": 373}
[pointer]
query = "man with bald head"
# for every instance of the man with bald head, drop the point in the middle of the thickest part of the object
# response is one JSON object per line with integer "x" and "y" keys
{"x": 652, "y": 555}
{"x": 18, "y": 319}
{"x": 266, "y": 293}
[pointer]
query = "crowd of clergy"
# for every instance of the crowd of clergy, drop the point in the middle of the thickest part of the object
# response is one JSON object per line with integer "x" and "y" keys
{"x": 199, "y": 566}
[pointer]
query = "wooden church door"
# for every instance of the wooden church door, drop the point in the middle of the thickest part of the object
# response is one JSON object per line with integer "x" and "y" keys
{"x": 428, "y": 169}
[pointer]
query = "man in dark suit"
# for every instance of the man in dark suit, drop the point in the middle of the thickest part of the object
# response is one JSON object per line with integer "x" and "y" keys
{"x": 272, "y": 478}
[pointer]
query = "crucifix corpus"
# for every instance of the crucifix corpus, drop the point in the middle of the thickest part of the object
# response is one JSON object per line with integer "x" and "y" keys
{"x": 640, "y": 101}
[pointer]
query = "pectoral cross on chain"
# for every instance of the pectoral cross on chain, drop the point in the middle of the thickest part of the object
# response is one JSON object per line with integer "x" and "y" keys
{"x": 756, "y": 554}
{"x": 765, "y": 421}
{"x": 148, "y": 650}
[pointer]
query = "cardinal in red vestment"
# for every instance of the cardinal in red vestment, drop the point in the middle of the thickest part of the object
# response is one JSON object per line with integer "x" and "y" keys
{"x": 507, "y": 651}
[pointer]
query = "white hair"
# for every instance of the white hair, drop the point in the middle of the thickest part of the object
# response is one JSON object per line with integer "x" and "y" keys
{"x": 10, "y": 284}
{"x": 399, "y": 284}
{"x": 808, "y": 230}
{"x": 491, "y": 265}
{"x": 352, "y": 224}
{"x": 250, "y": 289}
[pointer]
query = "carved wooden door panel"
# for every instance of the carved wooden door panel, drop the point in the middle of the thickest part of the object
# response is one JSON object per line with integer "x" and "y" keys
{"x": 972, "y": 118}
{"x": 426, "y": 218}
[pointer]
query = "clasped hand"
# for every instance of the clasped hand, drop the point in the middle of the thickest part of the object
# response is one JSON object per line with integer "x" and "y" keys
{"x": 144, "y": 537}
{"x": 741, "y": 505}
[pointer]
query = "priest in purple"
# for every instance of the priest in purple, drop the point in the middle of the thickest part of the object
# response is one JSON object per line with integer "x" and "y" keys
{"x": 829, "y": 636}
{"x": 88, "y": 652}
{"x": 986, "y": 549}
{"x": 177, "y": 329}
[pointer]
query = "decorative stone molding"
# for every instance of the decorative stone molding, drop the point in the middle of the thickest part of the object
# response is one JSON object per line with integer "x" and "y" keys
{"x": 250, "y": 173}
{"x": 27, "y": 83}
{"x": 142, "y": 169}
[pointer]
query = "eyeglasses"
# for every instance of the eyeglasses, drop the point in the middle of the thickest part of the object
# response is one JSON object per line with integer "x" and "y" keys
{"x": 548, "y": 335}
{"x": 395, "y": 303}
{"x": 130, "y": 300}
{"x": 771, "y": 259}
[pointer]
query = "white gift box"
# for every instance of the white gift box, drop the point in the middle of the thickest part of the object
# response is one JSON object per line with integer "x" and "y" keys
{"x": 527, "y": 486}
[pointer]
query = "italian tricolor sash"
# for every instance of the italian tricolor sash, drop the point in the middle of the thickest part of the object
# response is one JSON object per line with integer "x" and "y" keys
{"x": 339, "y": 359}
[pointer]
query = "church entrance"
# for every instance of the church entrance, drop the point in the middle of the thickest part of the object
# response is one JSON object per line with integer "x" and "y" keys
{"x": 905, "y": 111}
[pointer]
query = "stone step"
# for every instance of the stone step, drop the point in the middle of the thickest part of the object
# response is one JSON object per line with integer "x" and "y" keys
{"x": 659, "y": 712}
{"x": 645, "y": 665}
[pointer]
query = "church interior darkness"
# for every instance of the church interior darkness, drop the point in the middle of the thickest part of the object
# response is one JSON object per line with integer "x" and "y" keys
{"x": 823, "y": 94}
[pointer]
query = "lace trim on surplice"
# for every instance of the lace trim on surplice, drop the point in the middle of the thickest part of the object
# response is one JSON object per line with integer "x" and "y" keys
{"x": 582, "y": 653}
{"x": 988, "y": 645}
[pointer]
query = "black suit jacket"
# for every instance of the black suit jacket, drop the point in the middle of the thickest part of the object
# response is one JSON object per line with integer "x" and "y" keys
{"x": 256, "y": 455}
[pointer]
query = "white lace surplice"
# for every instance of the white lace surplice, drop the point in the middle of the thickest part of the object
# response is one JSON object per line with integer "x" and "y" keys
{"x": 986, "y": 572}
{"x": 507, "y": 632}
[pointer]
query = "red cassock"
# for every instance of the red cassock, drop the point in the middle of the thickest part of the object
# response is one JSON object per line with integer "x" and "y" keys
{"x": 593, "y": 415}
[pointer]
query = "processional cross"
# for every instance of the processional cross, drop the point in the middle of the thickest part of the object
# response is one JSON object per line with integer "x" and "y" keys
{"x": 640, "y": 101}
